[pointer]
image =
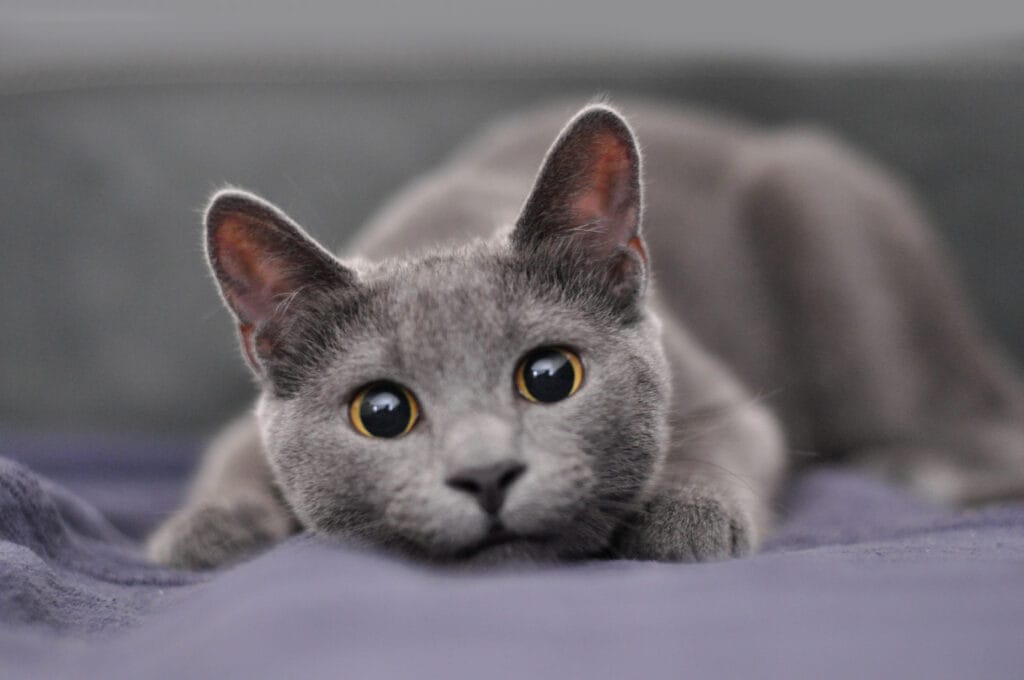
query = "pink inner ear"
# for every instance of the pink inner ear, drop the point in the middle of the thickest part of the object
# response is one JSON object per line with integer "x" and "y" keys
{"x": 255, "y": 276}
{"x": 608, "y": 196}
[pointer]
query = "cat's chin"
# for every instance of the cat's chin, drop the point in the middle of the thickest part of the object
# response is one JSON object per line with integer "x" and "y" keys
{"x": 501, "y": 547}
{"x": 508, "y": 553}
{"x": 501, "y": 542}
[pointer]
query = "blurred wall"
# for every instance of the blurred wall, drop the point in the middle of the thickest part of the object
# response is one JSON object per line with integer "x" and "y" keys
{"x": 206, "y": 38}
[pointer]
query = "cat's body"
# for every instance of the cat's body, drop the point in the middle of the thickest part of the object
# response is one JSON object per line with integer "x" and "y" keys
{"x": 797, "y": 290}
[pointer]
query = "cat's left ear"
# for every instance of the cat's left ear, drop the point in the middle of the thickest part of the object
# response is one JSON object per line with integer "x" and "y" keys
{"x": 588, "y": 196}
{"x": 262, "y": 260}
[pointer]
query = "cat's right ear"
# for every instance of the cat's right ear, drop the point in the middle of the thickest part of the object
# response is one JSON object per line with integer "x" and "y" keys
{"x": 587, "y": 199}
{"x": 262, "y": 260}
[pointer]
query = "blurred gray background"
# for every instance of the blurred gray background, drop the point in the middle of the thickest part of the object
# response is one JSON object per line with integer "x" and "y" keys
{"x": 117, "y": 121}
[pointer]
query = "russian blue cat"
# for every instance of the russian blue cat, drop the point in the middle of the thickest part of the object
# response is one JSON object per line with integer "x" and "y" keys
{"x": 611, "y": 357}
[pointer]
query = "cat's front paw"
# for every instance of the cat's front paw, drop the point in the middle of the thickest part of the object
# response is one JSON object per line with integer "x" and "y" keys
{"x": 210, "y": 536}
{"x": 688, "y": 529}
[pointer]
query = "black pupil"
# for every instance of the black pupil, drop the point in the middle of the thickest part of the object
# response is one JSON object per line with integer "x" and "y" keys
{"x": 385, "y": 411}
{"x": 548, "y": 375}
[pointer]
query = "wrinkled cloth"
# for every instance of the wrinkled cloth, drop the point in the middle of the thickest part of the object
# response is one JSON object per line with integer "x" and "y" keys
{"x": 860, "y": 580}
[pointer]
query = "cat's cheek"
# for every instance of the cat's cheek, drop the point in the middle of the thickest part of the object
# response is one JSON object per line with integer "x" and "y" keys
{"x": 312, "y": 466}
{"x": 557, "y": 485}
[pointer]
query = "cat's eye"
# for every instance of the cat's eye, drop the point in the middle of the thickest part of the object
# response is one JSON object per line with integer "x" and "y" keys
{"x": 549, "y": 374}
{"x": 383, "y": 409}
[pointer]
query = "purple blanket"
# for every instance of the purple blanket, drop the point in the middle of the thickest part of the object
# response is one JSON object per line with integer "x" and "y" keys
{"x": 860, "y": 581}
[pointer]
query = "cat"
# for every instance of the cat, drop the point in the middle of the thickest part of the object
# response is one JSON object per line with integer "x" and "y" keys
{"x": 613, "y": 357}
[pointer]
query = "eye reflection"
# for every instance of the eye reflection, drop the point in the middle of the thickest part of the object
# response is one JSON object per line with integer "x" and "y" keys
{"x": 384, "y": 410}
{"x": 549, "y": 374}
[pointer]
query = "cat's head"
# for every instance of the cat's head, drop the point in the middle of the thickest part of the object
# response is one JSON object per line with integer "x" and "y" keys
{"x": 507, "y": 392}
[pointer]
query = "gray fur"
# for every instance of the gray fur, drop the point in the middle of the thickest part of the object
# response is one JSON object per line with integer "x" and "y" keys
{"x": 795, "y": 288}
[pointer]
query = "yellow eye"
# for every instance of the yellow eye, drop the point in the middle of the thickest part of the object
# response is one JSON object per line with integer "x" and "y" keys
{"x": 383, "y": 409}
{"x": 549, "y": 374}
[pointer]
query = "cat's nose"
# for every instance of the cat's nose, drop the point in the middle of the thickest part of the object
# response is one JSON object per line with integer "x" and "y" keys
{"x": 488, "y": 484}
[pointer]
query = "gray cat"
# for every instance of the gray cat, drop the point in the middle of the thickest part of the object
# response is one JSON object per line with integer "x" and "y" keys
{"x": 552, "y": 381}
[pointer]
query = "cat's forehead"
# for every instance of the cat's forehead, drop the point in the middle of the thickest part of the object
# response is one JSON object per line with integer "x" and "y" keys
{"x": 461, "y": 294}
{"x": 467, "y": 306}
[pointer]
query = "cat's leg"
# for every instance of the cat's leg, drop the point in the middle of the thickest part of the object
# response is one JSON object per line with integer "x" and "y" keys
{"x": 713, "y": 498}
{"x": 233, "y": 510}
{"x": 980, "y": 464}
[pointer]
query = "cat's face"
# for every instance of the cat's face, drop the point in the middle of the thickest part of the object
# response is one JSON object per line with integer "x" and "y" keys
{"x": 506, "y": 395}
{"x": 450, "y": 334}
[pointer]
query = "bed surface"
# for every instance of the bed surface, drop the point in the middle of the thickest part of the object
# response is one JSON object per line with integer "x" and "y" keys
{"x": 861, "y": 580}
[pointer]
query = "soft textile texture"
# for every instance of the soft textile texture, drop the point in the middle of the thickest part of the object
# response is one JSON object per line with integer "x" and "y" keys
{"x": 861, "y": 580}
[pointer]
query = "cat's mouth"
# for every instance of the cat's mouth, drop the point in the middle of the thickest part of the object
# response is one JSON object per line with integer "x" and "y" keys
{"x": 498, "y": 534}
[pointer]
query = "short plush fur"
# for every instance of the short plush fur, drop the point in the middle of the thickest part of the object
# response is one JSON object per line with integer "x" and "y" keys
{"x": 758, "y": 292}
